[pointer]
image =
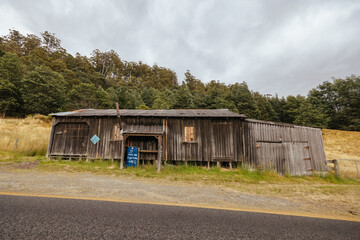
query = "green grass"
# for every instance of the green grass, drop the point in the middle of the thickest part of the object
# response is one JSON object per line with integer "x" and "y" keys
{"x": 265, "y": 183}
{"x": 188, "y": 174}
{"x": 17, "y": 157}
{"x": 181, "y": 172}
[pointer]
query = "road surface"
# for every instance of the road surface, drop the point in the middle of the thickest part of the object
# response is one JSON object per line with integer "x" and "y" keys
{"x": 24, "y": 217}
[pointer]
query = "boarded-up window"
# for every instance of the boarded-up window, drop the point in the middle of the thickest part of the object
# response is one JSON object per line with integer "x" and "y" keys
{"x": 189, "y": 134}
{"x": 116, "y": 133}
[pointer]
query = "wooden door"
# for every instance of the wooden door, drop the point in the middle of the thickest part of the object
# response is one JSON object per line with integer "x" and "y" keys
{"x": 70, "y": 139}
{"x": 297, "y": 155}
{"x": 222, "y": 143}
{"x": 284, "y": 157}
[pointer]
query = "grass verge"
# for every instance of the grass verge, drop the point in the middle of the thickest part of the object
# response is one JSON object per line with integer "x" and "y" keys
{"x": 7, "y": 157}
{"x": 194, "y": 174}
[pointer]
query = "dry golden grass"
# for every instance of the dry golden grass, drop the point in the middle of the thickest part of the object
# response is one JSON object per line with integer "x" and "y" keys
{"x": 32, "y": 134}
{"x": 343, "y": 145}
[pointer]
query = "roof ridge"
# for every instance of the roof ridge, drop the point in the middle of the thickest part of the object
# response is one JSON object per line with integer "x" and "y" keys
{"x": 152, "y": 113}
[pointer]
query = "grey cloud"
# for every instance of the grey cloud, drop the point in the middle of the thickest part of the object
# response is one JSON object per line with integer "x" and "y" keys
{"x": 280, "y": 46}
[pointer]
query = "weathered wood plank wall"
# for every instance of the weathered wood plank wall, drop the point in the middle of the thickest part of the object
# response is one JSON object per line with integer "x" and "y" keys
{"x": 285, "y": 148}
{"x": 180, "y": 150}
{"x": 215, "y": 140}
{"x": 282, "y": 147}
{"x": 104, "y": 149}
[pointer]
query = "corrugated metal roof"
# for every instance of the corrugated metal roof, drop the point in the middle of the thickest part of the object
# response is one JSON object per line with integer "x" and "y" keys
{"x": 278, "y": 123}
{"x": 151, "y": 113}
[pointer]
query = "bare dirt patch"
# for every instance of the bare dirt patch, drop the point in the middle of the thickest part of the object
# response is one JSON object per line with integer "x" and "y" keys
{"x": 27, "y": 165}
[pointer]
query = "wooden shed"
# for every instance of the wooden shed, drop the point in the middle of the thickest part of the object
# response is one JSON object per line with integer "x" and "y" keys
{"x": 187, "y": 135}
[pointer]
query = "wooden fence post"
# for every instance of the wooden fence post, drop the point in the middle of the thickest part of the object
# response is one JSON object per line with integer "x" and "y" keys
{"x": 336, "y": 166}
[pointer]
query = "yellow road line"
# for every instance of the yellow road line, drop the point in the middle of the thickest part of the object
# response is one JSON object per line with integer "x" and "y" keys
{"x": 344, "y": 218}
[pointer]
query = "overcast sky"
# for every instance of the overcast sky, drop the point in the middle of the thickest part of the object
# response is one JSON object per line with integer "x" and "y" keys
{"x": 285, "y": 47}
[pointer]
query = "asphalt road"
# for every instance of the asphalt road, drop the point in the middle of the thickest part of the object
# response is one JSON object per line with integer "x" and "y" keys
{"x": 55, "y": 218}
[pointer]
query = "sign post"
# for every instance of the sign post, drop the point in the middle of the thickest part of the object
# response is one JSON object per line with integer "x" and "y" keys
{"x": 132, "y": 156}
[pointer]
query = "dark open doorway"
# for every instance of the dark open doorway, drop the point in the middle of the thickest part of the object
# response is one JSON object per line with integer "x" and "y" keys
{"x": 148, "y": 146}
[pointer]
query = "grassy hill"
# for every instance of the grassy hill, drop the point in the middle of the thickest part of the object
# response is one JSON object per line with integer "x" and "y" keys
{"x": 343, "y": 145}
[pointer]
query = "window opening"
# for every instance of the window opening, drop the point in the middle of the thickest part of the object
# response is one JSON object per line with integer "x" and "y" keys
{"x": 189, "y": 134}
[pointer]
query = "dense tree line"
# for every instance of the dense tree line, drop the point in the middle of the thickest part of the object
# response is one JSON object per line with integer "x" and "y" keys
{"x": 37, "y": 75}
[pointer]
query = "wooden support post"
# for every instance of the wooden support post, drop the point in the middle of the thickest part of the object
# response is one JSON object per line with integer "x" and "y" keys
{"x": 163, "y": 141}
{"x": 186, "y": 163}
{"x": 218, "y": 164}
{"x": 122, "y": 143}
{"x": 138, "y": 160}
{"x": 98, "y": 143}
{"x": 159, "y": 155}
{"x": 208, "y": 165}
{"x": 122, "y": 152}
{"x": 243, "y": 143}
{"x": 230, "y": 165}
{"x": 166, "y": 139}
{"x": 118, "y": 114}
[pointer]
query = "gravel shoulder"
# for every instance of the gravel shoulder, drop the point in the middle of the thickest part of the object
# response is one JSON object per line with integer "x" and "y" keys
{"x": 249, "y": 196}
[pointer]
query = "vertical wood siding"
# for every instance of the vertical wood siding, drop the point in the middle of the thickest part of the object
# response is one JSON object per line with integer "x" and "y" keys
{"x": 70, "y": 138}
{"x": 285, "y": 148}
{"x": 222, "y": 140}
{"x": 178, "y": 149}
{"x": 104, "y": 149}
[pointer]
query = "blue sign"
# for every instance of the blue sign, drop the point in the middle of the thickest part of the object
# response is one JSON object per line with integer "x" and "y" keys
{"x": 95, "y": 139}
{"x": 132, "y": 156}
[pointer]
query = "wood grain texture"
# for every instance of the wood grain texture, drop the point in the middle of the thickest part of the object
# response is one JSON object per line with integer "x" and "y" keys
{"x": 285, "y": 148}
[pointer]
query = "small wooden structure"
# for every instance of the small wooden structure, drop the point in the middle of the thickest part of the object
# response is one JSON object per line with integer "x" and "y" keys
{"x": 204, "y": 136}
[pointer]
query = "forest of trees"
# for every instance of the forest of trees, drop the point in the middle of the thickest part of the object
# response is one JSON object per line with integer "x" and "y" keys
{"x": 37, "y": 75}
